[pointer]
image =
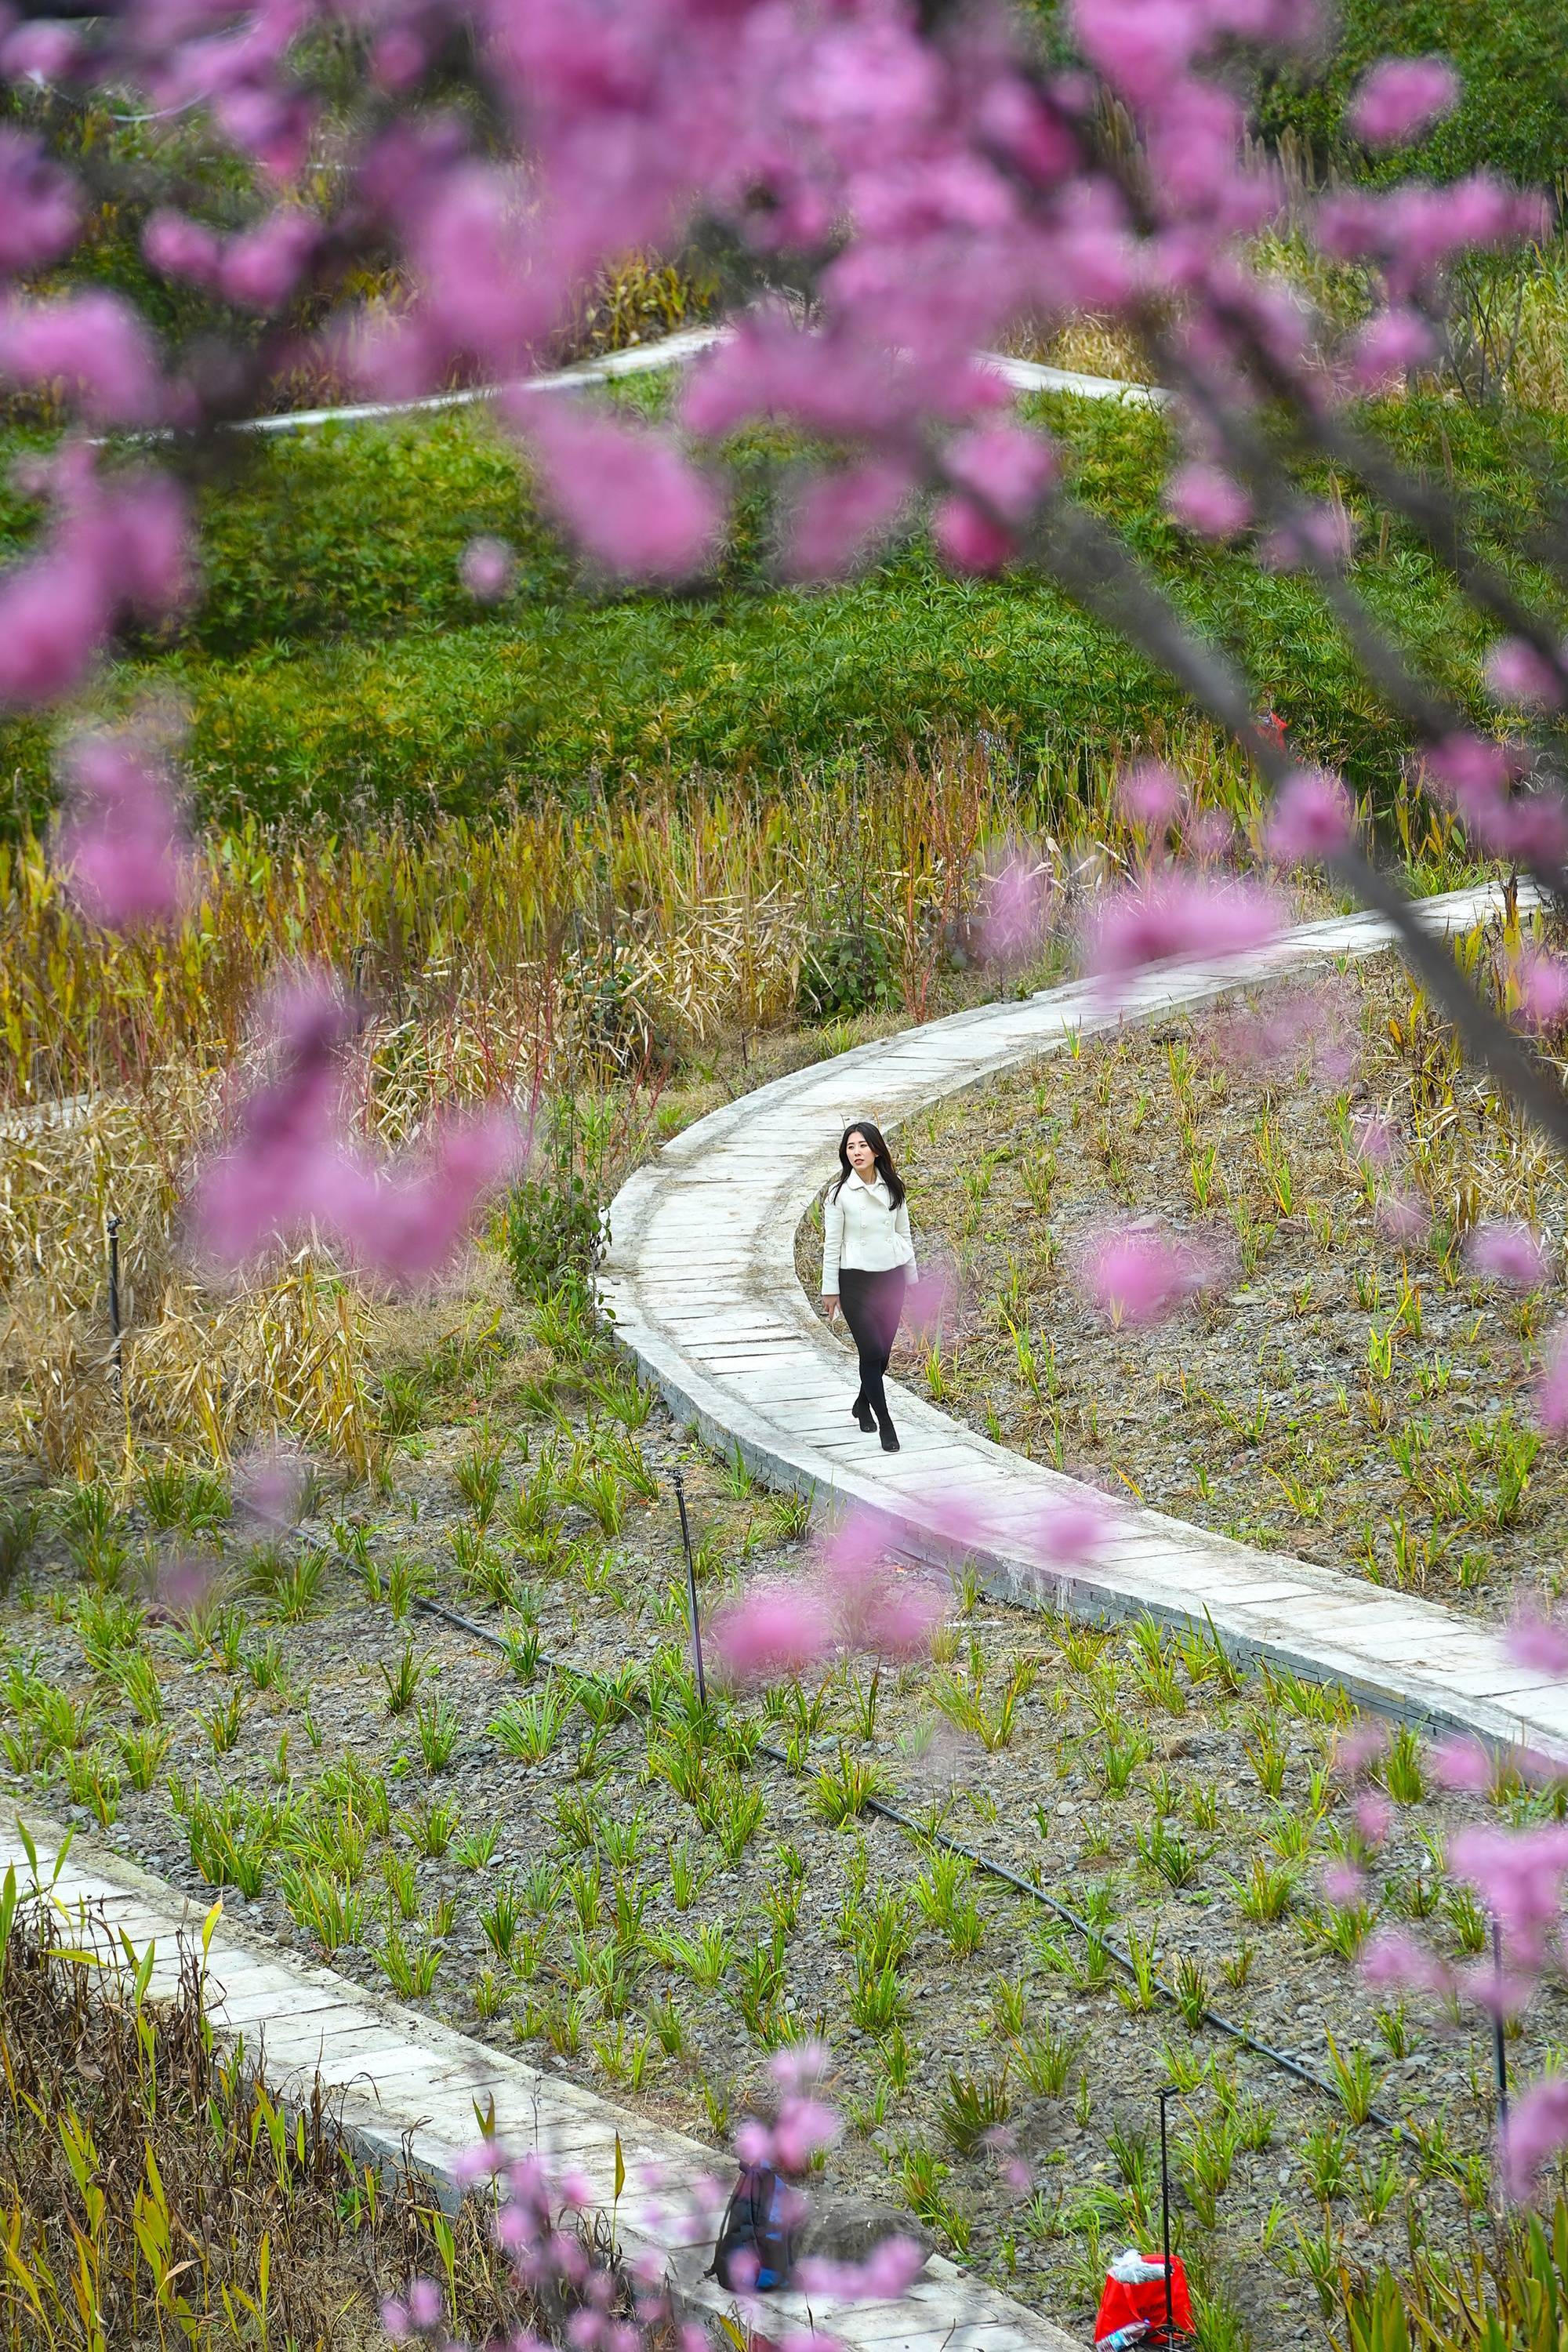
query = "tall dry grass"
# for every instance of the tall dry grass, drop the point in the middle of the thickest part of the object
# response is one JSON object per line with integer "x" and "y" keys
{"x": 579, "y": 960}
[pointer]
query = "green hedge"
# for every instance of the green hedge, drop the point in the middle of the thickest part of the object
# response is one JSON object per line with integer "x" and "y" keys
{"x": 1512, "y": 56}
{"x": 1512, "y": 53}
{"x": 338, "y": 667}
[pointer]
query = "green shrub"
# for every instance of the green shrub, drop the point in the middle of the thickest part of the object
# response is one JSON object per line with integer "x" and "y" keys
{"x": 551, "y": 1235}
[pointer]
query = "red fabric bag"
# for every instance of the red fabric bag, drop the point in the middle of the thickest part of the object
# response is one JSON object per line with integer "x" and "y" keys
{"x": 1127, "y": 2300}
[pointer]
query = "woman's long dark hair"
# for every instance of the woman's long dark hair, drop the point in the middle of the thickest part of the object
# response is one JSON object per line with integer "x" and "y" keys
{"x": 881, "y": 1153}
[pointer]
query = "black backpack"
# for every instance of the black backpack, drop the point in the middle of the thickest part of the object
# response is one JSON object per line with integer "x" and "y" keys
{"x": 760, "y": 2221}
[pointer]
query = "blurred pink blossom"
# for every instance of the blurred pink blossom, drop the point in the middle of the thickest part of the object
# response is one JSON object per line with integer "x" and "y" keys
{"x": 1520, "y": 1875}
{"x": 1373, "y": 1817}
{"x": 1311, "y": 817}
{"x": 1207, "y": 500}
{"x": 291, "y": 1167}
{"x": 486, "y": 569}
{"x": 1072, "y": 1534}
{"x": 885, "y": 2276}
{"x": 1516, "y": 672}
{"x": 1400, "y": 1216}
{"x": 40, "y": 210}
{"x": 1390, "y": 345}
{"x": 1543, "y": 981}
{"x": 94, "y": 344}
{"x": 260, "y": 269}
{"x": 777, "y": 1633}
{"x": 839, "y": 515}
{"x": 1016, "y": 900}
{"x": 1398, "y": 99}
{"x": 1134, "y": 1274}
{"x": 1150, "y": 794}
{"x": 121, "y": 842}
{"x": 1342, "y": 1882}
{"x": 1508, "y": 1251}
{"x": 1537, "y": 2132}
{"x": 1552, "y": 1384}
{"x": 1539, "y": 1641}
{"x": 1167, "y": 916}
{"x": 178, "y": 246}
{"x": 1394, "y": 1959}
{"x": 1462, "y": 1764}
{"x": 1361, "y": 1746}
{"x": 629, "y": 499}
{"x": 1374, "y": 1138}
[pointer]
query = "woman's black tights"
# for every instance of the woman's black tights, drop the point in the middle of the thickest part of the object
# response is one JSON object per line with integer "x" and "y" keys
{"x": 872, "y": 1303}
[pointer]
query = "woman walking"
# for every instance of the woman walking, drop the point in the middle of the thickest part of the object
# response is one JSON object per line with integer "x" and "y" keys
{"x": 868, "y": 1257}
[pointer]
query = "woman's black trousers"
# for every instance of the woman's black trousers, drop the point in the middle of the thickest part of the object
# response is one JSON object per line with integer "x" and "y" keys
{"x": 872, "y": 1302}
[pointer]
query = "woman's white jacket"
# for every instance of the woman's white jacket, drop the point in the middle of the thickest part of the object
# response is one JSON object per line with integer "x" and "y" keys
{"x": 861, "y": 1229}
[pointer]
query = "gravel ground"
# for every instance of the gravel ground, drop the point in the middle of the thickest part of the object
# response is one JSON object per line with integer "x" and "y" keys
{"x": 996, "y": 2076}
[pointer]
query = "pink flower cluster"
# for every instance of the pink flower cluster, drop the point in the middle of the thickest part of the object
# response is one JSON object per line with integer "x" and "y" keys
{"x": 1168, "y": 914}
{"x": 291, "y": 1167}
{"x": 854, "y": 1601}
{"x": 121, "y": 842}
{"x": 1135, "y": 1273}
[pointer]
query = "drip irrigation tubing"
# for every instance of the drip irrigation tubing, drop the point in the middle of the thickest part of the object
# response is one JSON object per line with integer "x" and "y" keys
{"x": 878, "y": 1806}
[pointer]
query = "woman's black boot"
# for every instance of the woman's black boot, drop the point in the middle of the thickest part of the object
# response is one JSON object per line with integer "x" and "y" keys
{"x": 890, "y": 1434}
{"x": 862, "y": 1412}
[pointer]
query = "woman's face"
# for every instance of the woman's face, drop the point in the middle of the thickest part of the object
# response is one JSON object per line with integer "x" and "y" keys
{"x": 862, "y": 1158}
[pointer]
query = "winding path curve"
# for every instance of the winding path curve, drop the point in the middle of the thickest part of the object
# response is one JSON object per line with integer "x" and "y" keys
{"x": 702, "y": 1281}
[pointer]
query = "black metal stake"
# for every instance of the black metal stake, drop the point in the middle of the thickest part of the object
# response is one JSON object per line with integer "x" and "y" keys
{"x": 113, "y": 1229}
{"x": 691, "y": 1590}
{"x": 1499, "y": 2045}
{"x": 1166, "y": 2093}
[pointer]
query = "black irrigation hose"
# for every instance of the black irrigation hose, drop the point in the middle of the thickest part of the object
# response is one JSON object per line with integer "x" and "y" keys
{"x": 998, "y": 1870}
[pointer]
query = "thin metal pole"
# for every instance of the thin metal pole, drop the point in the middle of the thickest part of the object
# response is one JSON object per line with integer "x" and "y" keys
{"x": 113, "y": 1229}
{"x": 1499, "y": 2045}
{"x": 692, "y": 1587}
{"x": 1165, "y": 2213}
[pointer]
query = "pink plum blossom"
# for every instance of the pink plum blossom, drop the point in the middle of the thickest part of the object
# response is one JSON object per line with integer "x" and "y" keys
{"x": 777, "y": 1633}
{"x": 486, "y": 569}
{"x": 121, "y": 842}
{"x": 1462, "y": 1764}
{"x": 839, "y": 515}
{"x": 1311, "y": 817}
{"x": 1073, "y": 1533}
{"x": 40, "y": 209}
{"x": 1400, "y": 97}
{"x": 1508, "y": 1251}
{"x": 1343, "y": 1883}
{"x": 1136, "y": 1274}
{"x": 1389, "y": 346}
{"x": 1166, "y": 915}
{"x": 1543, "y": 981}
{"x": 1537, "y": 2132}
{"x": 291, "y": 1167}
{"x": 629, "y": 499}
{"x": 94, "y": 344}
{"x": 1015, "y": 901}
{"x": 1539, "y": 1641}
{"x": 1207, "y": 500}
{"x": 1516, "y": 672}
{"x": 1552, "y": 1384}
{"x": 1150, "y": 794}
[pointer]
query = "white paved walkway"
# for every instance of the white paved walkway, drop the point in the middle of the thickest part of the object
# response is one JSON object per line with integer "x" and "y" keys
{"x": 701, "y": 1280}
{"x": 410, "y": 2082}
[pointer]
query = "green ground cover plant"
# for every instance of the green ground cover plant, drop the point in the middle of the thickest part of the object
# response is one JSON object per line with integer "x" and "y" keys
{"x": 595, "y": 1866}
{"x": 337, "y": 670}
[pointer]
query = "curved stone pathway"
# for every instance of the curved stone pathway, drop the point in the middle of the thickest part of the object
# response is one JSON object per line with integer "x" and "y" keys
{"x": 702, "y": 1281}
